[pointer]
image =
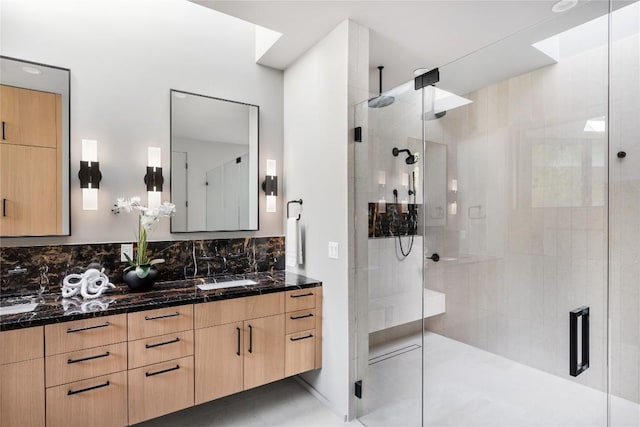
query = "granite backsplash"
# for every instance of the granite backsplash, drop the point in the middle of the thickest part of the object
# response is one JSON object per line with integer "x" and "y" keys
{"x": 46, "y": 266}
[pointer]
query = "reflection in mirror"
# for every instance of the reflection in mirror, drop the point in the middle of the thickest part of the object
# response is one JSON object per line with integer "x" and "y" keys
{"x": 34, "y": 150}
{"x": 435, "y": 187}
{"x": 214, "y": 163}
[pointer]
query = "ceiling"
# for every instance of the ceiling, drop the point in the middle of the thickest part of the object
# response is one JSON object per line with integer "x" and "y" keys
{"x": 405, "y": 35}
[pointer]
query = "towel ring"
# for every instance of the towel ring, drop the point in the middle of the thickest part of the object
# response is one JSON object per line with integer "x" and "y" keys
{"x": 299, "y": 201}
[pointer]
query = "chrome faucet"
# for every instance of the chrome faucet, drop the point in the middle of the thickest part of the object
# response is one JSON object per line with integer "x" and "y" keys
{"x": 17, "y": 270}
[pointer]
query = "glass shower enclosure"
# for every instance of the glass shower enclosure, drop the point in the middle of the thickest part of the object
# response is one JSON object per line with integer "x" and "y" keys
{"x": 498, "y": 233}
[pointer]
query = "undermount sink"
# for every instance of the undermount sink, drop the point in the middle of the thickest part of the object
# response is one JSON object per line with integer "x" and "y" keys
{"x": 18, "y": 308}
{"x": 223, "y": 285}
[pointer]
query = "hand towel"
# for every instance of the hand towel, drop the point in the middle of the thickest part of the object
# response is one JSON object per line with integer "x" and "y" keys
{"x": 293, "y": 249}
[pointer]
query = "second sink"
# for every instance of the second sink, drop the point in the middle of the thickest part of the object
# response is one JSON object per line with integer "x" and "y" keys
{"x": 222, "y": 285}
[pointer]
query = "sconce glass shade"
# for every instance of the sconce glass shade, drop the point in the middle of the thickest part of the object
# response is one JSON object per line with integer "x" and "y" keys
{"x": 271, "y": 168}
{"x": 271, "y": 204}
{"x": 90, "y": 199}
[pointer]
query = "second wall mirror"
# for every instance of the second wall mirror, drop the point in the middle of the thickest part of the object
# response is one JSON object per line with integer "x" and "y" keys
{"x": 214, "y": 163}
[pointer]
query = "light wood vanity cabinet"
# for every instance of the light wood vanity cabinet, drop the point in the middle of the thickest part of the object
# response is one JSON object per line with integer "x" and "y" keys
{"x": 22, "y": 398}
{"x": 303, "y": 343}
{"x": 239, "y": 344}
{"x": 86, "y": 381}
{"x": 124, "y": 369}
{"x": 161, "y": 370}
{"x": 244, "y": 343}
{"x": 30, "y": 160}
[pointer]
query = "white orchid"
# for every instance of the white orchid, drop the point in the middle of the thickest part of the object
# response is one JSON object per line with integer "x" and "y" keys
{"x": 147, "y": 218}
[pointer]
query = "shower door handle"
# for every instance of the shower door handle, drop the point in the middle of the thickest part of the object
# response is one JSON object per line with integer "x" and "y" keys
{"x": 575, "y": 367}
{"x": 435, "y": 257}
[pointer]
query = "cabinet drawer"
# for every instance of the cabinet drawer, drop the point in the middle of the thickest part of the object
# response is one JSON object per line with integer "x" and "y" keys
{"x": 237, "y": 309}
{"x": 21, "y": 344}
{"x": 160, "y": 389}
{"x": 159, "y": 349}
{"x": 80, "y": 365}
{"x": 300, "y": 352}
{"x": 98, "y": 402}
{"x": 300, "y": 299}
{"x": 86, "y": 333}
{"x": 301, "y": 320}
{"x": 151, "y": 323}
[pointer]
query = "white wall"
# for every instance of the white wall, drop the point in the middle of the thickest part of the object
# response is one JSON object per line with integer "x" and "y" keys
{"x": 124, "y": 57}
{"x": 319, "y": 92}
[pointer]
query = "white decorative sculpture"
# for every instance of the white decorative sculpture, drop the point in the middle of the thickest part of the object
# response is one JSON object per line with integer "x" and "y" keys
{"x": 91, "y": 284}
{"x": 77, "y": 305}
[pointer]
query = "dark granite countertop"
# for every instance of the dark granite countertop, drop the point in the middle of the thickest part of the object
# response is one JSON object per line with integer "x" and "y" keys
{"x": 52, "y": 308}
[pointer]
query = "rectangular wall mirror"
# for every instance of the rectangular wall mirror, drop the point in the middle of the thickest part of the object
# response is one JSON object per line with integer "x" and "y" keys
{"x": 214, "y": 163}
{"x": 34, "y": 149}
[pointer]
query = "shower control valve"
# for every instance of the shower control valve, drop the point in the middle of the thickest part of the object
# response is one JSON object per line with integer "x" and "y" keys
{"x": 435, "y": 257}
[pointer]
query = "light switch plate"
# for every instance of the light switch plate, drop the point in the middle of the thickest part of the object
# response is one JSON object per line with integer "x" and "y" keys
{"x": 126, "y": 248}
{"x": 333, "y": 250}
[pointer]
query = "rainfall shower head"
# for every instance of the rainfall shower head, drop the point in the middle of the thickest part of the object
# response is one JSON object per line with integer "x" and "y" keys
{"x": 411, "y": 158}
{"x": 434, "y": 116}
{"x": 381, "y": 100}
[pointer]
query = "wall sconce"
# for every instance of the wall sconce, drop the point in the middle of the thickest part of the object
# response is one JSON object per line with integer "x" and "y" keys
{"x": 270, "y": 186}
{"x": 453, "y": 197}
{"x": 89, "y": 175}
{"x": 154, "y": 179}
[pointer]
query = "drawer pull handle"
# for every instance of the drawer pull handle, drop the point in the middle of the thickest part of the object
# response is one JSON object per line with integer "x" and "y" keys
{"x": 82, "y": 390}
{"x": 71, "y": 330}
{"x": 162, "y": 316}
{"x": 301, "y": 338}
{"x": 301, "y": 295}
{"x": 238, "y": 350}
{"x": 83, "y": 359}
{"x": 150, "y": 374}
{"x": 162, "y": 343}
{"x": 304, "y": 316}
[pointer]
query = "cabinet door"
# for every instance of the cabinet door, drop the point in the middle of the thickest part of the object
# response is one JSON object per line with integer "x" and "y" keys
{"x": 264, "y": 350}
{"x": 218, "y": 361}
{"x": 29, "y": 194}
{"x": 30, "y": 117}
{"x": 22, "y": 394}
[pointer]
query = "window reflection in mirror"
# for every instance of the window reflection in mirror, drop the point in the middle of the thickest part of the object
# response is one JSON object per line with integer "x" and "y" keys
{"x": 34, "y": 149}
{"x": 214, "y": 163}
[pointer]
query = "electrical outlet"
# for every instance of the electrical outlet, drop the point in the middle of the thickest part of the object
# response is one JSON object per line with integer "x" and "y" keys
{"x": 126, "y": 248}
{"x": 333, "y": 250}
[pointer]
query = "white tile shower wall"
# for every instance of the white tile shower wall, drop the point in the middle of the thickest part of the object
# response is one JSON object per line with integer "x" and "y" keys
{"x": 529, "y": 238}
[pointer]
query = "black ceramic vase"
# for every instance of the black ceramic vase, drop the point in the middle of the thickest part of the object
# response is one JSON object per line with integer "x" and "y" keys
{"x": 137, "y": 284}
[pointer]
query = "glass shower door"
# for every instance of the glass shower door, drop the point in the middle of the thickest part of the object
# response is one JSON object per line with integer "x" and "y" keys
{"x": 624, "y": 208}
{"x": 389, "y": 177}
{"x": 523, "y": 340}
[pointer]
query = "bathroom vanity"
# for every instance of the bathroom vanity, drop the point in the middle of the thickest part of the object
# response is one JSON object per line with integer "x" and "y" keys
{"x": 141, "y": 356}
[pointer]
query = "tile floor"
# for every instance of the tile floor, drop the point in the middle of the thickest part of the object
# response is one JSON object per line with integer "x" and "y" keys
{"x": 282, "y": 404}
{"x": 466, "y": 386}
